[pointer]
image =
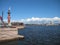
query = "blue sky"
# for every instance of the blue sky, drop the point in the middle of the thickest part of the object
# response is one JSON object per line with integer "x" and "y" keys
{"x": 21, "y": 9}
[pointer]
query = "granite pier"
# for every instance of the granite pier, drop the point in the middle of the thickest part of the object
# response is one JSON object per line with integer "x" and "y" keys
{"x": 8, "y": 34}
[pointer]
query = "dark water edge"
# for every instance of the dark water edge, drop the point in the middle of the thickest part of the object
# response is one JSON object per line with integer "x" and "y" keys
{"x": 38, "y": 35}
{"x": 12, "y": 42}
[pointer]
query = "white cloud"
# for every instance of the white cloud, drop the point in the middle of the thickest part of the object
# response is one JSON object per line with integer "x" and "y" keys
{"x": 41, "y": 19}
{"x": 35, "y": 20}
{"x": 56, "y": 18}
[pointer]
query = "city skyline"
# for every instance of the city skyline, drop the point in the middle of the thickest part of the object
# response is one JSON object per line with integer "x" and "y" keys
{"x": 23, "y": 9}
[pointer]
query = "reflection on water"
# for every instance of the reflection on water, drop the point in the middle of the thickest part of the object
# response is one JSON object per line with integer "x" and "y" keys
{"x": 38, "y": 35}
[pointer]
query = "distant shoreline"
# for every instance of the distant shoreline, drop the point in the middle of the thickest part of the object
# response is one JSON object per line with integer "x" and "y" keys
{"x": 42, "y": 25}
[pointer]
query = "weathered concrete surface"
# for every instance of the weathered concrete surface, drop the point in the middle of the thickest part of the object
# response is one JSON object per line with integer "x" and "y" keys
{"x": 8, "y": 29}
{"x": 9, "y": 34}
{"x": 7, "y": 37}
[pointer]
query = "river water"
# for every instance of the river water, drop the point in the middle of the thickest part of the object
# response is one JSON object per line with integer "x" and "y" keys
{"x": 38, "y": 35}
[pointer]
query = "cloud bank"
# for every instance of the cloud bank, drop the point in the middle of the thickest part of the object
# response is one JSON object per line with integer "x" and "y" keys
{"x": 37, "y": 20}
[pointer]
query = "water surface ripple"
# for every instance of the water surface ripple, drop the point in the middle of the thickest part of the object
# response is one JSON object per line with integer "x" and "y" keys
{"x": 40, "y": 35}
